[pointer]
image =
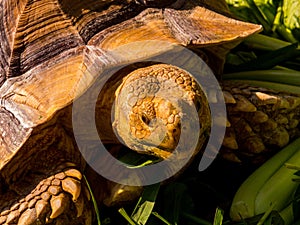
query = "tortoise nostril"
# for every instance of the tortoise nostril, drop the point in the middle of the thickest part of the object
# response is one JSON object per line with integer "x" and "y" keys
{"x": 145, "y": 119}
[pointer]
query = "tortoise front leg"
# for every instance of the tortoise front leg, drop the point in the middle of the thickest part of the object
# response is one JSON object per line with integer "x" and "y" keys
{"x": 60, "y": 198}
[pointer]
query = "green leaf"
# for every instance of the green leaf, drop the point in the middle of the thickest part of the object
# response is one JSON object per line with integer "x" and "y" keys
{"x": 145, "y": 205}
{"x": 126, "y": 216}
{"x": 242, "y": 10}
{"x": 134, "y": 159}
{"x": 275, "y": 219}
{"x": 291, "y": 14}
{"x": 255, "y": 11}
{"x": 161, "y": 218}
{"x": 93, "y": 200}
{"x": 218, "y": 219}
{"x": 269, "y": 79}
{"x": 278, "y": 17}
{"x": 259, "y": 15}
{"x": 264, "y": 219}
{"x": 270, "y": 59}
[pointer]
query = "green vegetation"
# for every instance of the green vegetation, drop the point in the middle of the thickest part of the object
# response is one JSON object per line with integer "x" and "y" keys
{"x": 279, "y": 18}
{"x": 271, "y": 186}
{"x": 268, "y": 196}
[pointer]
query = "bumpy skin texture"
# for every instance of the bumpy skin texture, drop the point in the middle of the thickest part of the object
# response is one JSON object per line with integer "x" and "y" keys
{"x": 51, "y": 52}
{"x": 153, "y": 102}
{"x": 260, "y": 121}
{"x": 60, "y": 199}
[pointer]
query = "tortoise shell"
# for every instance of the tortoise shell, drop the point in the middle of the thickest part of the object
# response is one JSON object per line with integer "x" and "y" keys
{"x": 47, "y": 47}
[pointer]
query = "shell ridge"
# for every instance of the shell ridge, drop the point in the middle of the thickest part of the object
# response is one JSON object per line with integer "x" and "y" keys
{"x": 8, "y": 25}
{"x": 43, "y": 32}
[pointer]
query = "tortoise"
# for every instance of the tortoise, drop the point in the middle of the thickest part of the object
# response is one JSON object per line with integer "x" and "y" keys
{"x": 51, "y": 53}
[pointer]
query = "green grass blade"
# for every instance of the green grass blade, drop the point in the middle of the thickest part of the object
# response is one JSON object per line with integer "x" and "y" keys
{"x": 259, "y": 15}
{"x": 145, "y": 205}
{"x": 161, "y": 218}
{"x": 270, "y": 59}
{"x": 286, "y": 33}
{"x": 266, "y": 215}
{"x": 272, "y": 85}
{"x": 264, "y": 42}
{"x": 135, "y": 160}
{"x": 126, "y": 216}
{"x": 274, "y": 76}
{"x": 218, "y": 219}
{"x": 146, "y": 163}
{"x": 93, "y": 200}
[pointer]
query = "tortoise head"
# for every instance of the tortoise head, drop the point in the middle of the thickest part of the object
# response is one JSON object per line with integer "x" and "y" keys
{"x": 157, "y": 106}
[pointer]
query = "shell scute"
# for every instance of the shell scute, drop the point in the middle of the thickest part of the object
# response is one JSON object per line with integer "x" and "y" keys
{"x": 48, "y": 46}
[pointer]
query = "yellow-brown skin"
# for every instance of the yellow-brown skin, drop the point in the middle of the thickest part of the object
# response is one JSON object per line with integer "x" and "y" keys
{"x": 153, "y": 101}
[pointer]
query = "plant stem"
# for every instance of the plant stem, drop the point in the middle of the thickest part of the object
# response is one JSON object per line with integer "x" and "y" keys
{"x": 93, "y": 200}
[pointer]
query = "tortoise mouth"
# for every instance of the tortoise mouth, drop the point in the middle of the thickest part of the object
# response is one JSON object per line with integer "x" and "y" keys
{"x": 162, "y": 150}
{"x": 157, "y": 151}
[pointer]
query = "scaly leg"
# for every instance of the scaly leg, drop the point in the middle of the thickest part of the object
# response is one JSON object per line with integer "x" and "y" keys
{"x": 60, "y": 198}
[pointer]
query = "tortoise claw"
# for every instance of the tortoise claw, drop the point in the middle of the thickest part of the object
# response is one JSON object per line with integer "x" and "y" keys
{"x": 73, "y": 173}
{"x": 56, "y": 195}
{"x": 58, "y": 205}
{"x": 72, "y": 186}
